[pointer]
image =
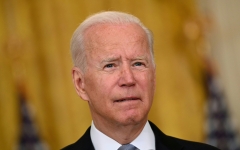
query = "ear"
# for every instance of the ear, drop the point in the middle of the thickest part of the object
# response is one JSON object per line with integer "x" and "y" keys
{"x": 78, "y": 81}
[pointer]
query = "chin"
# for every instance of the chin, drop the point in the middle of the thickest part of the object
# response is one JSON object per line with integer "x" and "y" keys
{"x": 132, "y": 120}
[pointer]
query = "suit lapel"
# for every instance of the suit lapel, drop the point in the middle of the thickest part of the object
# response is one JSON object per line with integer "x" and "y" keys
{"x": 85, "y": 141}
{"x": 164, "y": 142}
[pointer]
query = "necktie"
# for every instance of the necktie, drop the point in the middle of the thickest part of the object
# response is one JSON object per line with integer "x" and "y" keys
{"x": 127, "y": 147}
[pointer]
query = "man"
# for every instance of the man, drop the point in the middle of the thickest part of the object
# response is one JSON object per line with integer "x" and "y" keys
{"x": 115, "y": 73}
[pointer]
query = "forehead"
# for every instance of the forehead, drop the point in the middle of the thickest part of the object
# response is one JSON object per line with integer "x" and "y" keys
{"x": 114, "y": 34}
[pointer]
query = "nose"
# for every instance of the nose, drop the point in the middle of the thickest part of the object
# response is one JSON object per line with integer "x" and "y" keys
{"x": 127, "y": 78}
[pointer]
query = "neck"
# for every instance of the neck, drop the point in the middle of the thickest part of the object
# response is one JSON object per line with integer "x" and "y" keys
{"x": 123, "y": 134}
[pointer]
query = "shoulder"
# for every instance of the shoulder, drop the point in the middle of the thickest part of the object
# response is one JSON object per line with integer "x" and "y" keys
{"x": 84, "y": 143}
{"x": 173, "y": 143}
{"x": 69, "y": 147}
{"x": 191, "y": 145}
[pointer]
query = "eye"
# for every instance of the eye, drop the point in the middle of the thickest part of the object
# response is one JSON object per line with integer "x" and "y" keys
{"x": 109, "y": 66}
{"x": 138, "y": 64}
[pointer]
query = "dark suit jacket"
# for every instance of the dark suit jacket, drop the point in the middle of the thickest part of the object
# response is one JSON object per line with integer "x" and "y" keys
{"x": 162, "y": 141}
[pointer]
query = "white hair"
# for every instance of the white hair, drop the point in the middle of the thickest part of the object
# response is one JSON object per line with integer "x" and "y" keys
{"x": 112, "y": 17}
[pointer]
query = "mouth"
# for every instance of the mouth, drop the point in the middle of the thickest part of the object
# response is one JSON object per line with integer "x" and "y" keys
{"x": 127, "y": 99}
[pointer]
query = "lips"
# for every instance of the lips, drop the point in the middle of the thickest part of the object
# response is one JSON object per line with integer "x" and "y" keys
{"x": 127, "y": 99}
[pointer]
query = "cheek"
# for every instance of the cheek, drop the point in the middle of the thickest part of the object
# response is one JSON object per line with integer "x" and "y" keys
{"x": 147, "y": 85}
{"x": 147, "y": 80}
{"x": 98, "y": 87}
{"x": 96, "y": 94}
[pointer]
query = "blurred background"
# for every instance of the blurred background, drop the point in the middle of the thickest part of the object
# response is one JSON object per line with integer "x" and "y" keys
{"x": 197, "y": 49}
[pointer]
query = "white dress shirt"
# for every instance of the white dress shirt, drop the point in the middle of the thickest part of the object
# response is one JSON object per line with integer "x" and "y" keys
{"x": 144, "y": 141}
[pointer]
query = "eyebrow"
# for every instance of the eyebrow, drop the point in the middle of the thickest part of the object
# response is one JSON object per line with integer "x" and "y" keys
{"x": 110, "y": 59}
{"x": 141, "y": 58}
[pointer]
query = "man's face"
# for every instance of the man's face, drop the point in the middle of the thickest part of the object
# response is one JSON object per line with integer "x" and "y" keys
{"x": 119, "y": 81}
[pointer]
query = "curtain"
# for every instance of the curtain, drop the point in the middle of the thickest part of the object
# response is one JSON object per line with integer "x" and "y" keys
{"x": 35, "y": 61}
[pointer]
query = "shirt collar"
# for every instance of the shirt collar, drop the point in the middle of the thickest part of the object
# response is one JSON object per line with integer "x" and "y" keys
{"x": 147, "y": 136}
{"x": 103, "y": 142}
